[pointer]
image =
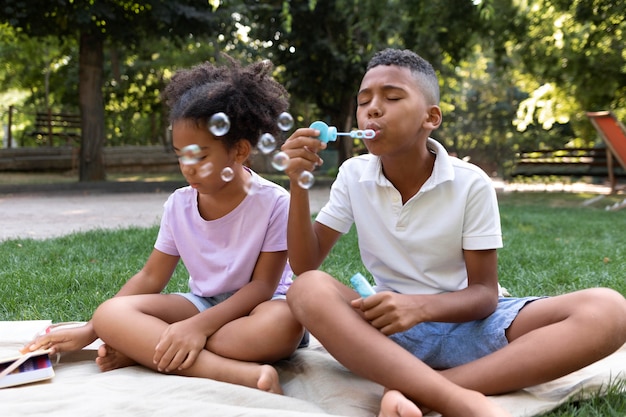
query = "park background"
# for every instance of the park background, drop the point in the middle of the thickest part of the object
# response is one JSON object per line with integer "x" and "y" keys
{"x": 515, "y": 75}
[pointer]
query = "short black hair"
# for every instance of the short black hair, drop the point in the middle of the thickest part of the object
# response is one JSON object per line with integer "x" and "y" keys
{"x": 248, "y": 95}
{"x": 421, "y": 69}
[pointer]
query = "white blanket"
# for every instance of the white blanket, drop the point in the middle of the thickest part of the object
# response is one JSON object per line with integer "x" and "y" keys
{"x": 315, "y": 385}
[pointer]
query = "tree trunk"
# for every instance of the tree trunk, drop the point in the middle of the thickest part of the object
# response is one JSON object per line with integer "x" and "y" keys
{"x": 345, "y": 122}
{"x": 91, "y": 60}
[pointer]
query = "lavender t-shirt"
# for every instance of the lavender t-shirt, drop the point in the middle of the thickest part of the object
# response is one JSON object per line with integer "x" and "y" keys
{"x": 220, "y": 255}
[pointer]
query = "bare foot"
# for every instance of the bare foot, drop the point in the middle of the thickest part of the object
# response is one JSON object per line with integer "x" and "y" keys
{"x": 268, "y": 380}
{"x": 470, "y": 404}
{"x": 473, "y": 403}
{"x": 109, "y": 359}
{"x": 394, "y": 404}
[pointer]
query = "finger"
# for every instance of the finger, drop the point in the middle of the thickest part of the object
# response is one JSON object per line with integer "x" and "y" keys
{"x": 158, "y": 358}
{"x": 178, "y": 358}
{"x": 300, "y": 137}
{"x": 189, "y": 360}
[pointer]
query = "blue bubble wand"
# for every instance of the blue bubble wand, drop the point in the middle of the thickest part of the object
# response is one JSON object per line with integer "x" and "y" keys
{"x": 329, "y": 133}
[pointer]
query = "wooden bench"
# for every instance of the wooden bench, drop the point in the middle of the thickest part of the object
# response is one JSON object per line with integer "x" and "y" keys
{"x": 64, "y": 159}
{"x": 57, "y": 125}
{"x": 571, "y": 162}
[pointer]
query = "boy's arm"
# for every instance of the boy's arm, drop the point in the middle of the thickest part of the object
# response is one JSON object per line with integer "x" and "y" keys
{"x": 392, "y": 312}
{"x": 308, "y": 243}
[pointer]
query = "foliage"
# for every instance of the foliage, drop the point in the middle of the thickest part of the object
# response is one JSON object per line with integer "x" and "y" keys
{"x": 91, "y": 24}
{"x": 575, "y": 50}
{"x": 515, "y": 74}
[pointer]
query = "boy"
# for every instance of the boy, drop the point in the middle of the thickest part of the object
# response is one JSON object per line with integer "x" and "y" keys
{"x": 428, "y": 230}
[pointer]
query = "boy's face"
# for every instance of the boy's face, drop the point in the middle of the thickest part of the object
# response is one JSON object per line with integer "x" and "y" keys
{"x": 390, "y": 102}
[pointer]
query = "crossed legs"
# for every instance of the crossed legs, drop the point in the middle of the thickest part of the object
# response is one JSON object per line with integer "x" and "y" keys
{"x": 549, "y": 338}
{"x": 322, "y": 305}
{"x": 131, "y": 326}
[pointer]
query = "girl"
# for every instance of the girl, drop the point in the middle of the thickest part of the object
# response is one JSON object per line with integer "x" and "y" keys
{"x": 229, "y": 228}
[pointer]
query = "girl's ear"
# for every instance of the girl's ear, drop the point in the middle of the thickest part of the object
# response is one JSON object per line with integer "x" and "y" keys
{"x": 434, "y": 117}
{"x": 242, "y": 150}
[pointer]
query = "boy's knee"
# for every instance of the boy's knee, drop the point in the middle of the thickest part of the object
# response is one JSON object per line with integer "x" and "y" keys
{"x": 304, "y": 288}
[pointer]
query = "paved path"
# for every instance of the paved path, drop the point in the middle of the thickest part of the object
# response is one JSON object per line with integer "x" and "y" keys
{"x": 46, "y": 215}
{"x": 43, "y": 214}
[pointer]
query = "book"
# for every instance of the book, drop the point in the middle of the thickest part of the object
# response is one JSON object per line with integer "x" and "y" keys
{"x": 25, "y": 369}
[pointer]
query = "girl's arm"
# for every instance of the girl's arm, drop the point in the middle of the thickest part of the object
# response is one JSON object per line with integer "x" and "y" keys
{"x": 151, "y": 279}
{"x": 265, "y": 278}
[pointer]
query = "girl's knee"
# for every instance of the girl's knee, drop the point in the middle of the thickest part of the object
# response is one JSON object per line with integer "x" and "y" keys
{"x": 107, "y": 311}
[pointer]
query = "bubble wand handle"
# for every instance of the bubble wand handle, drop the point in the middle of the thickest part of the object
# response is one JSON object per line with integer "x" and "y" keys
{"x": 329, "y": 133}
{"x": 362, "y": 285}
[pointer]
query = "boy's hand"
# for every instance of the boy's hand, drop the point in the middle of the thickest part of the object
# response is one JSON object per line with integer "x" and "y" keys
{"x": 62, "y": 339}
{"x": 302, "y": 147}
{"x": 389, "y": 312}
{"x": 178, "y": 347}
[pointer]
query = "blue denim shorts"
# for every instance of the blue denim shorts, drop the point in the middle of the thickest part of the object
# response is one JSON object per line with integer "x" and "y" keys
{"x": 204, "y": 303}
{"x": 446, "y": 345}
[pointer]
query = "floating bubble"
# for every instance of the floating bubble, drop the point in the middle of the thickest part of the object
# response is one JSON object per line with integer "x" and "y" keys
{"x": 227, "y": 174}
{"x": 190, "y": 154}
{"x": 249, "y": 186}
{"x": 267, "y": 143}
{"x": 205, "y": 170}
{"x": 219, "y": 124}
{"x": 306, "y": 180}
{"x": 280, "y": 161}
{"x": 285, "y": 121}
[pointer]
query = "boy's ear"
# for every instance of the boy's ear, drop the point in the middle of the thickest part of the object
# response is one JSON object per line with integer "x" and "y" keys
{"x": 434, "y": 117}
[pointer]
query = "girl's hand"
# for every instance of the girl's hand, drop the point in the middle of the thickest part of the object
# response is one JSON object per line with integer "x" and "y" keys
{"x": 389, "y": 312}
{"x": 62, "y": 339}
{"x": 302, "y": 147}
{"x": 178, "y": 347}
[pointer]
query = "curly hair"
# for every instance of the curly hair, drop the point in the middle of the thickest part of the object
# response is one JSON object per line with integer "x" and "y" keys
{"x": 421, "y": 69}
{"x": 248, "y": 95}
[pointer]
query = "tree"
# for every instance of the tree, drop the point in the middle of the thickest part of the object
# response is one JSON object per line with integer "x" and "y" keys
{"x": 323, "y": 46}
{"x": 575, "y": 50}
{"x": 96, "y": 23}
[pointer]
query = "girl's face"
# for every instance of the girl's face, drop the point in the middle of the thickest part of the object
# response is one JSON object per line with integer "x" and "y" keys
{"x": 204, "y": 161}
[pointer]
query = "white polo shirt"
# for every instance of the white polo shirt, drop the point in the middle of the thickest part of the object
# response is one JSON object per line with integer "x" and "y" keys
{"x": 416, "y": 248}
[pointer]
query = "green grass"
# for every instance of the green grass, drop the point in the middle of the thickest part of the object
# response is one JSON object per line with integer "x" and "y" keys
{"x": 554, "y": 243}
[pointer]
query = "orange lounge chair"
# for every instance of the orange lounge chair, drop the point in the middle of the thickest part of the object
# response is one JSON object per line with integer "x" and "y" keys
{"x": 613, "y": 133}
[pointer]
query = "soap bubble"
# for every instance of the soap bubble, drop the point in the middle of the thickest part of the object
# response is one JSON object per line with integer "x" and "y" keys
{"x": 190, "y": 154}
{"x": 205, "y": 170}
{"x": 267, "y": 143}
{"x": 227, "y": 174}
{"x": 306, "y": 180}
{"x": 249, "y": 186}
{"x": 280, "y": 161}
{"x": 285, "y": 121}
{"x": 219, "y": 124}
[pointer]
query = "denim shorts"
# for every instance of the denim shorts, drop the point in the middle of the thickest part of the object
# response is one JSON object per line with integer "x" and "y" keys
{"x": 446, "y": 345}
{"x": 204, "y": 303}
